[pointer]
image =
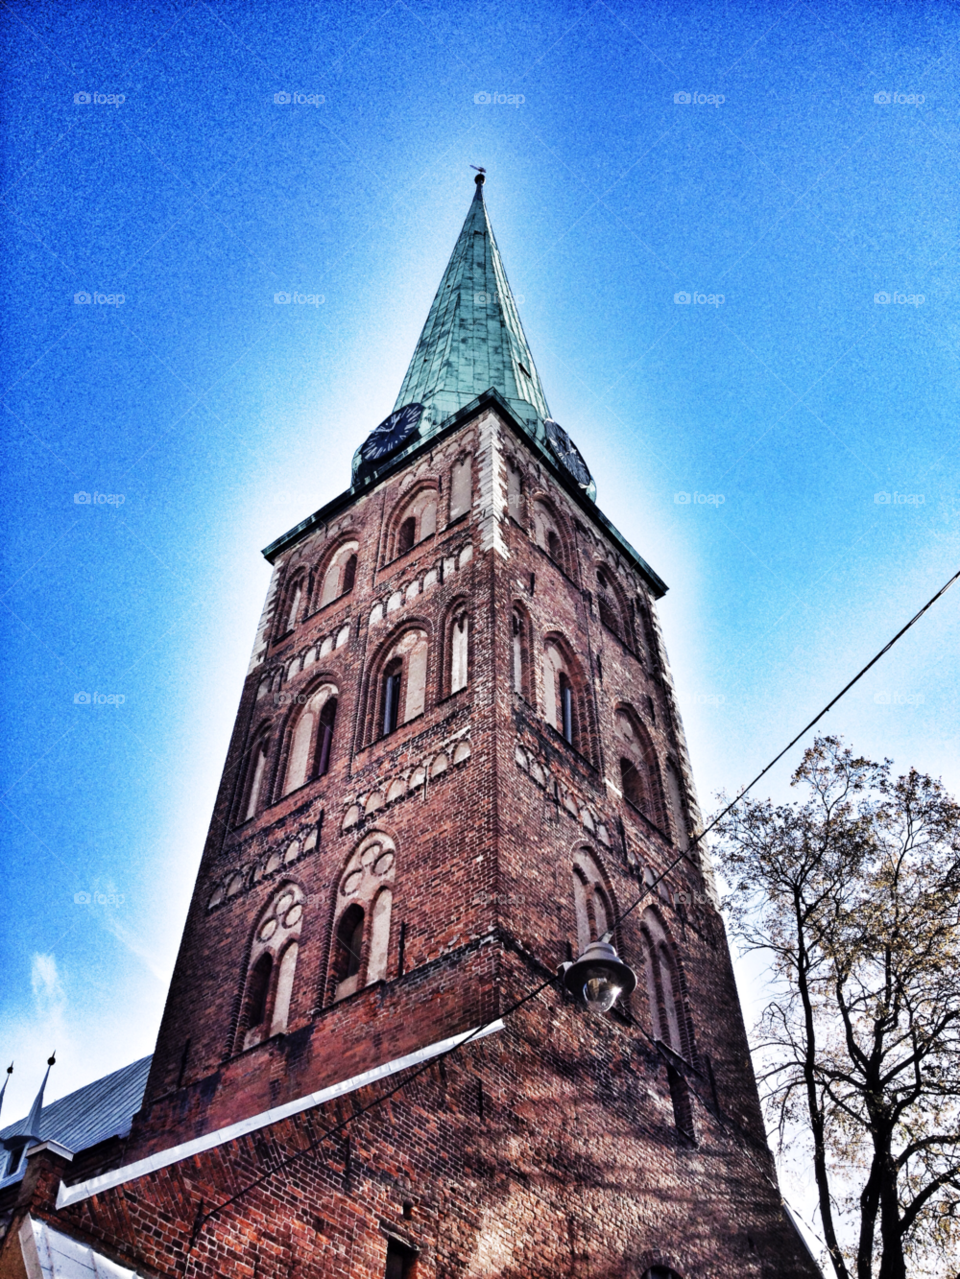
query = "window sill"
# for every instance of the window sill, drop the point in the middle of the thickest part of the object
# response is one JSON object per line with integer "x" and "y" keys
{"x": 386, "y": 737}
{"x": 638, "y": 812}
{"x": 559, "y": 737}
{"x": 297, "y": 790}
{"x": 389, "y": 564}
{"x": 329, "y": 604}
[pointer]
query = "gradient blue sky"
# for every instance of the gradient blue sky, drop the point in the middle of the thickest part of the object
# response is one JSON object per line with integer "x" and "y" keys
{"x": 222, "y": 418}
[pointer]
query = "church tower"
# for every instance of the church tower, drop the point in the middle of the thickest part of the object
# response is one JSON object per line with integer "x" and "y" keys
{"x": 457, "y": 762}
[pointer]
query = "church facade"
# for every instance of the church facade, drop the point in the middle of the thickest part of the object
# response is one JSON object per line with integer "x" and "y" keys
{"x": 457, "y": 764}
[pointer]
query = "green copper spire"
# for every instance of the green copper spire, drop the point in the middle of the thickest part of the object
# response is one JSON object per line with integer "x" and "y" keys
{"x": 473, "y": 338}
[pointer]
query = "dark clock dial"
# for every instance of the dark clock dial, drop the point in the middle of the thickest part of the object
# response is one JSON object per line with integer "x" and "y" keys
{"x": 566, "y": 452}
{"x": 392, "y": 432}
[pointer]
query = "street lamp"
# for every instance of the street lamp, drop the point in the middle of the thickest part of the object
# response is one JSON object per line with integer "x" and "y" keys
{"x": 599, "y": 977}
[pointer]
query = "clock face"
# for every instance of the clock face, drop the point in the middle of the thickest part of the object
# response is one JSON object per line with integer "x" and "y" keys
{"x": 392, "y": 433}
{"x": 567, "y": 453}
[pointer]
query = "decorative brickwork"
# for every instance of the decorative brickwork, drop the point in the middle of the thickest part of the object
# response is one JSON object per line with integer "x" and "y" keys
{"x": 457, "y": 759}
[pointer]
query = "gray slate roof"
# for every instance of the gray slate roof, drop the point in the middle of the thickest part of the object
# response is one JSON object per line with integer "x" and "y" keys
{"x": 83, "y": 1118}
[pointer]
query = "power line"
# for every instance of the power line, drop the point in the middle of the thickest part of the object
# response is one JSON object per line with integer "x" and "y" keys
{"x": 203, "y": 1217}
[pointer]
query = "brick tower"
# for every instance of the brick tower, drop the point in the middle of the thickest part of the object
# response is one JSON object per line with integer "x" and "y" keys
{"x": 457, "y": 760}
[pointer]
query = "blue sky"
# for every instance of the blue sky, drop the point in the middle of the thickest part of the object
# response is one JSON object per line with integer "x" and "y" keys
{"x": 221, "y": 418}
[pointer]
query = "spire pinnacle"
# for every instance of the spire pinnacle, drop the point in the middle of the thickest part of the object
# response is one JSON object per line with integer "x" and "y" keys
{"x": 473, "y": 339}
{"x": 33, "y": 1119}
{"x": 5, "y": 1082}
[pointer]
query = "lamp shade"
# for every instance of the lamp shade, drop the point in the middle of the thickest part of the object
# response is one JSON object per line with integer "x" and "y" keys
{"x": 599, "y": 977}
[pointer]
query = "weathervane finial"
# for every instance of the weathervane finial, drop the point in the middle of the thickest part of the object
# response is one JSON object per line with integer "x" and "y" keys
{"x": 481, "y": 175}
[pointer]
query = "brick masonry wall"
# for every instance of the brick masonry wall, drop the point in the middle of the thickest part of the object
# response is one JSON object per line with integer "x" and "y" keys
{"x": 551, "y": 1147}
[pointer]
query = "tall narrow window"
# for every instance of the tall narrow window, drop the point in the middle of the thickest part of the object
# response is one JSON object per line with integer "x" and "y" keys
{"x": 328, "y": 717}
{"x": 392, "y": 680}
{"x": 349, "y": 943}
{"x": 608, "y": 606}
{"x": 459, "y": 645}
{"x": 293, "y": 607}
{"x": 460, "y": 488}
{"x": 360, "y": 953}
{"x": 560, "y": 696}
{"x": 593, "y": 907}
{"x": 281, "y": 1001}
{"x": 632, "y": 783}
{"x": 566, "y": 707}
{"x": 256, "y": 769}
{"x": 514, "y": 492}
{"x": 340, "y": 576}
{"x": 401, "y": 687}
{"x": 639, "y": 771}
{"x": 668, "y": 1016}
{"x": 547, "y": 534}
{"x": 407, "y": 535}
{"x": 309, "y": 739}
{"x": 269, "y": 986}
{"x": 258, "y": 988}
{"x": 516, "y": 642}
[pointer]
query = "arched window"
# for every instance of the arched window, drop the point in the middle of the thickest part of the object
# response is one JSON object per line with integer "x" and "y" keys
{"x": 407, "y": 536}
{"x": 639, "y": 773}
{"x": 660, "y": 1272}
{"x": 591, "y": 899}
{"x": 258, "y": 988}
{"x": 340, "y": 574}
{"x": 254, "y": 776}
{"x": 271, "y": 969}
{"x": 349, "y": 948}
{"x": 309, "y": 739}
{"x": 668, "y": 1015}
{"x": 415, "y": 521}
{"x": 401, "y": 695}
{"x": 514, "y": 491}
{"x": 548, "y": 534}
{"x": 677, "y": 807}
{"x": 458, "y": 646}
{"x": 461, "y": 487}
{"x": 361, "y": 926}
{"x": 609, "y": 607}
{"x": 562, "y": 697}
{"x": 292, "y": 605}
{"x": 520, "y": 651}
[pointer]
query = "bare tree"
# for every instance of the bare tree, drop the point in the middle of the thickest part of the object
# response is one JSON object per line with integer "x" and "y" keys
{"x": 855, "y": 893}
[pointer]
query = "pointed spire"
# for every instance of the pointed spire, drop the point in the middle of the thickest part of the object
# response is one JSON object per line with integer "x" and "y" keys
{"x": 473, "y": 338}
{"x": 5, "y": 1082}
{"x": 33, "y": 1119}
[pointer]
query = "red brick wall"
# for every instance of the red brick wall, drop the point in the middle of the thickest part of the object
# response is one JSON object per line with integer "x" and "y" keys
{"x": 575, "y": 1165}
